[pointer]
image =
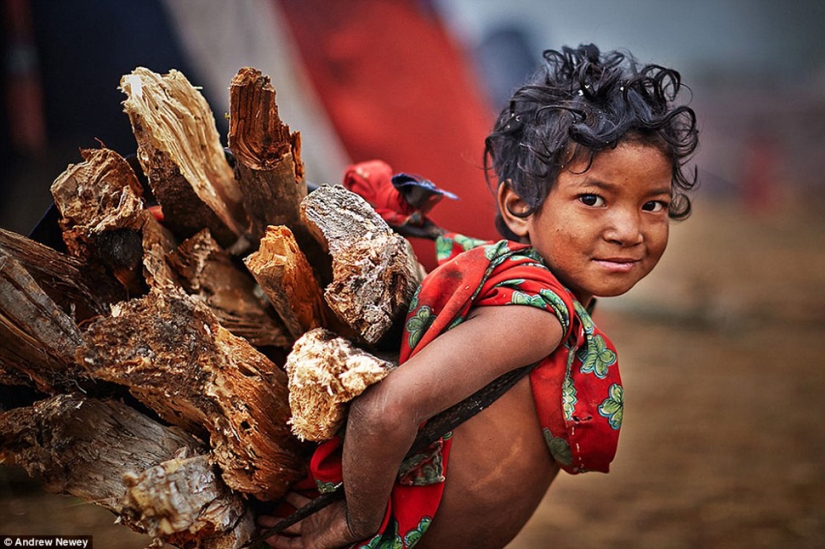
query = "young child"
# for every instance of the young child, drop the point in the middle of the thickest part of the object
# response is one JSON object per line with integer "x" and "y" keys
{"x": 589, "y": 163}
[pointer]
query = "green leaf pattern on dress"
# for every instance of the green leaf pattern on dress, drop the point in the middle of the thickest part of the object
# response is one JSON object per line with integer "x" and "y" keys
{"x": 414, "y": 301}
{"x": 568, "y": 396}
{"x": 418, "y": 324}
{"x": 546, "y": 299}
{"x": 388, "y": 540}
{"x": 423, "y": 469}
{"x": 559, "y": 448}
{"x": 414, "y": 536}
{"x": 557, "y": 304}
{"x": 497, "y": 253}
{"x": 520, "y": 298}
{"x": 443, "y": 248}
{"x": 326, "y": 487}
{"x": 391, "y": 539}
{"x": 444, "y": 245}
{"x": 613, "y": 407}
{"x": 595, "y": 356}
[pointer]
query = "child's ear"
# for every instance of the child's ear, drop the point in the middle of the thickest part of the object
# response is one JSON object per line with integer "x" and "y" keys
{"x": 513, "y": 210}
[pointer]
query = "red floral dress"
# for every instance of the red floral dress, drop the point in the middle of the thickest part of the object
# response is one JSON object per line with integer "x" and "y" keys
{"x": 577, "y": 389}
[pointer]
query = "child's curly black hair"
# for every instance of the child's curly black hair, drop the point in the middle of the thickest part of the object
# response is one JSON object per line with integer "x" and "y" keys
{"x": 581, "y": 101}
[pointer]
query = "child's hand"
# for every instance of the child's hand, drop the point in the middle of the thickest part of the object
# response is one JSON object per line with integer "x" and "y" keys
{"x": 325, "y": 529}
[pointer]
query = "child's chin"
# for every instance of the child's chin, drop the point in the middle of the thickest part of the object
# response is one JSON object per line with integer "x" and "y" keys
{"x": 613, "y": 292}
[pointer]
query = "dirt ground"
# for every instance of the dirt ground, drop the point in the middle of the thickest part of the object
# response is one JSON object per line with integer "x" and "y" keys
{"x": 723, "y": 441}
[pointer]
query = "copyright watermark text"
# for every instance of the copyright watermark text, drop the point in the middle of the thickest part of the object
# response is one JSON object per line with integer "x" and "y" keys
{"x": 82, "y": 542}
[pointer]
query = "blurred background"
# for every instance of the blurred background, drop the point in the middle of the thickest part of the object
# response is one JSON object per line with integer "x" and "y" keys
{"x": 723, "y": 440}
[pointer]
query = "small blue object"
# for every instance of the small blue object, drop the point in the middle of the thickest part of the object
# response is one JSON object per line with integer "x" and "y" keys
{"x": 418, "y": 191}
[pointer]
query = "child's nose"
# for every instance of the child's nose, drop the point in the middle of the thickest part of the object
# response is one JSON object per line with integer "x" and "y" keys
{"x": 624, "y": 227}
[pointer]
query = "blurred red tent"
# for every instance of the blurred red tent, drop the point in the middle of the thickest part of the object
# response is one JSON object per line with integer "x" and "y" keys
{"x": 398, "y": 88}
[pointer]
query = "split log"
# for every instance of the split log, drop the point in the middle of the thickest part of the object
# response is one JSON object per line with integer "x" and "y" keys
{"x": 171, "y": 353}
{"x": 325, "y": 373}
{"x": 103, "y": 219}
{"x": 268, "y": 165}
{"x": 80, "y": 289}
{"x": 286, "y": 278}
{"x": 208, "y": 271}
{"x": 375, "y": 272}
{"x": 267, "y": 155}
{"x": 101, "y": 210}
{"x": 110, "y": 454}
{"x": 182, "y": 501}
{"x": 39, "y": 340}
{"x": 157, "y": 243}
{"x": 78, "y": 446}
{"x": 180, "y": 151}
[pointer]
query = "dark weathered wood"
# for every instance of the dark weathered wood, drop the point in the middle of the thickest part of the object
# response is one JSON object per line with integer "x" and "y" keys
{"x": 375, "y": 272}
{"x": 81, "y": 290}
{"x": 180, "y": 151}
{"x": 101, "y": 210}
{"x": 183, "y": 502}
{"x": 173, "y": 355}
{"x": 157, "y": 243}
{"x": 157, "y": 479}
{"x": 325, "y": 373}
{"x": 208, "y": 271}
{"x": 286, "y": 278}
{"x": 267, "y": 155}
{"x": 38, "y": 340}
{"x": 84, "y": 446}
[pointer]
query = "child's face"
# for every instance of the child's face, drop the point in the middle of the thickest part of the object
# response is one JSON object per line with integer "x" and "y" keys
{"x": 602, "y": 230}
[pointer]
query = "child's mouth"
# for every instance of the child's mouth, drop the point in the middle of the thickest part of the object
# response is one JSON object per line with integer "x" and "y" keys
{"x": 619, "y": 265}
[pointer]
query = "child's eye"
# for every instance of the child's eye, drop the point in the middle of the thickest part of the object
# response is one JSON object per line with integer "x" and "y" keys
{"x": 592, "y": 200}
{"x": 655, "y": 206}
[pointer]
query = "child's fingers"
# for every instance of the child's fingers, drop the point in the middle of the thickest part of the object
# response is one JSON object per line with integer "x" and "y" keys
{"x": 296, "y": 500}
{"x": 285, "y": 542}
{"x": 294, "y": 530}
{"x": 267, "y": 521}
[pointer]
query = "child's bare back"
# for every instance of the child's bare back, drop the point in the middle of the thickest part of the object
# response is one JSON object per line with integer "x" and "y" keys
{"x": 500, "y": 471}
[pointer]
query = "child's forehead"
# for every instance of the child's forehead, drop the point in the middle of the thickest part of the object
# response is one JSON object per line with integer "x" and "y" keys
{"x": 645, "y": 164}
{"x": 579, "y": 159}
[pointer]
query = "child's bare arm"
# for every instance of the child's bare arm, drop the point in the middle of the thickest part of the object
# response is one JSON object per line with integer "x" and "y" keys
{"x": 384, "y": 420}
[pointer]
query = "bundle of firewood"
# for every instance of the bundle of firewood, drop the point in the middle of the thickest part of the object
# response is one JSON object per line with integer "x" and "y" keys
{"x": 197, "y": 293}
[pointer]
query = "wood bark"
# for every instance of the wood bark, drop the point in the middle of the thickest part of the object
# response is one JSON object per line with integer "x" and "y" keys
{"x": 374, "y": 270}
{"x": 39, "y": 338}
{"x": 182, "y": 501}
{"x": 286, "y": 278}
{"x": 208, "y": 271}
{"x": 180, "y": 151}
{"x": 267, "y": 155}
{"x": 156, "y": 478}
{"x": 81, "y": 289}
{"x": 157, "y": 243}
{"x": 101, "y": 210}
{"x": 173, "y": 355}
